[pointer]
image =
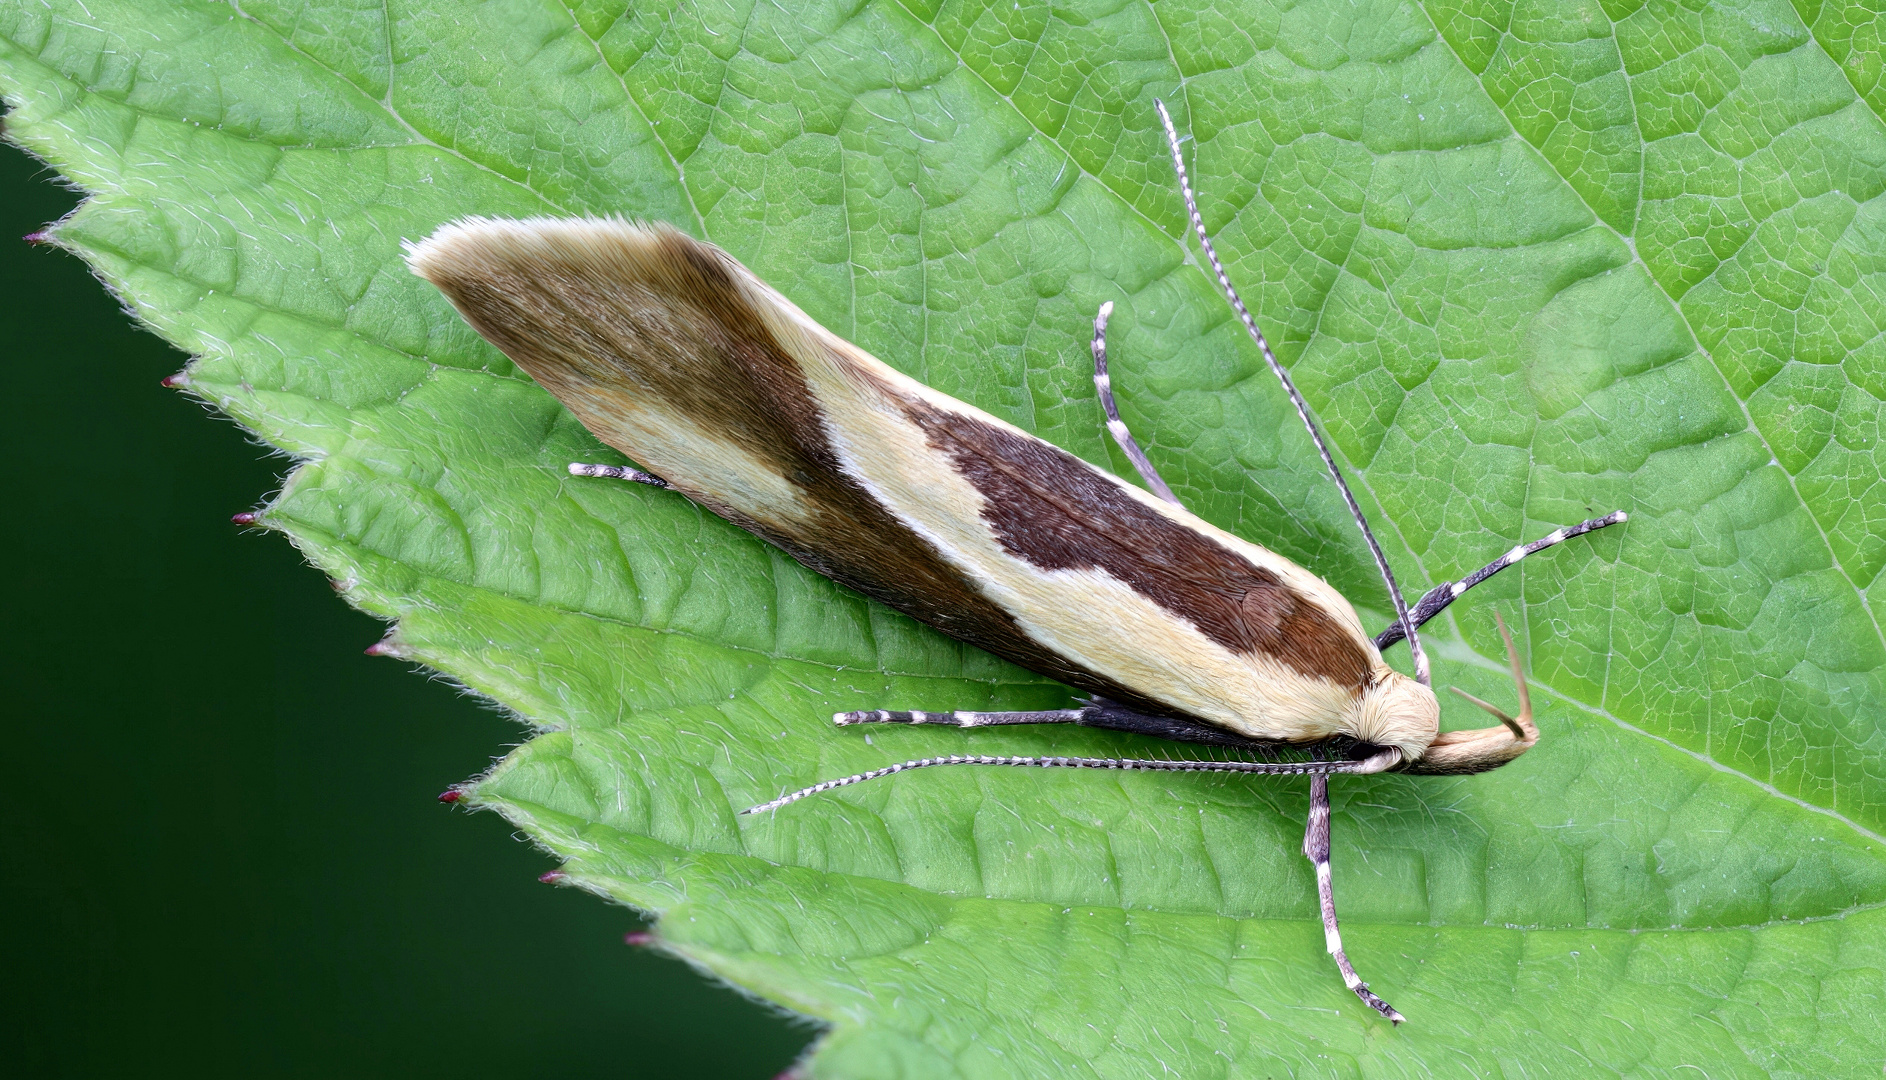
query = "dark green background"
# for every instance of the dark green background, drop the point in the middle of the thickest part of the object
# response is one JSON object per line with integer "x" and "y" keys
{"x": 224, "y": 856}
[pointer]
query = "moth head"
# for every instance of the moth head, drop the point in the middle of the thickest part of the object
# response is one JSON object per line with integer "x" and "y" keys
{"x": 1457, "y": 753}
{"x": 1396, "y": 712}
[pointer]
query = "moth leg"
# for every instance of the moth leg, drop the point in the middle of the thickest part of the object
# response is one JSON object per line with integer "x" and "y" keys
{"x": 617, "y": 472}
{"x": 1116, "y": 426}
{"x": 1097, "y": 713}
{"x": 1316, "y": 849}
{"x": 959, "y": 718}
{"x": 1447, "y": 592}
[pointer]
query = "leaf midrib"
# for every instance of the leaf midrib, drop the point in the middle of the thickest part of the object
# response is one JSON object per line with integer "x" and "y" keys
{"x": 1458, "y": 652}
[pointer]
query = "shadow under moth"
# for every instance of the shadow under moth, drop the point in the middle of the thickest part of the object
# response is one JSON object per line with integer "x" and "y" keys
{"x": 669, "y": 350}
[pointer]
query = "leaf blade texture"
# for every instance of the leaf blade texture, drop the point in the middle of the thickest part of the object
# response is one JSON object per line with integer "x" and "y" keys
{"x": 1530, "y": 264}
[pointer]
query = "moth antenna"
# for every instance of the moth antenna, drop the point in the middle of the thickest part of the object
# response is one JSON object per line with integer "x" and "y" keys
{"x": 1385, "y": 759}
{"x": 1522, "y": 727}
{"x": 1303, "y": 407}
{"x": 1103, "y": 385}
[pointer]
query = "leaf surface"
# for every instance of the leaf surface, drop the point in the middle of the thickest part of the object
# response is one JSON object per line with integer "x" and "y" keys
{"x": 1530, "y": 262}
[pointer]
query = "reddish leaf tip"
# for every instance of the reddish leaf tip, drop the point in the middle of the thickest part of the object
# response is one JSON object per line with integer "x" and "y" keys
{"x": 38, "y": 238}
{"x": 247, "y": 517}
{"x": 638, "y": 937}
{"x": 451, "y": 795}
{"x": 551, "y": 877}
{"x": 382, "y": 647}
{"x": 171, "y": 382}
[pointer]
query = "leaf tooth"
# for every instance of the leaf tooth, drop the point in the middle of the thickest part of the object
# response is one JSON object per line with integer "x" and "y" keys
{"x": 390, "y": 645}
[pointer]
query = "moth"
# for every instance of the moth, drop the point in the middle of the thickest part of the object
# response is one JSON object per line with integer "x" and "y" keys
{"x": 669, "y": 350}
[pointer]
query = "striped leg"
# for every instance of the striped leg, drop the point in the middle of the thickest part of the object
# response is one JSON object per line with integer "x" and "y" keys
{"x": 1097, "y": 713}
{"x": 1316, "y": 849}
{"x": 617, "y": 472}
{"x": 1447, "y": 592}
{"x": 960, "y": 718}
{"x": 1116, "y": 426}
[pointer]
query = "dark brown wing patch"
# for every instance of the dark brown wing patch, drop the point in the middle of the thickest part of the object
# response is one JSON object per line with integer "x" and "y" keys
{"x": 678, "y": 329}
{"x": 675, "y": 329}
{"x": 1058, "y": 513}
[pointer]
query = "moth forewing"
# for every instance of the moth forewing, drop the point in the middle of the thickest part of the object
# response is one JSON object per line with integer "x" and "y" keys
{"x": 676, "y": 355}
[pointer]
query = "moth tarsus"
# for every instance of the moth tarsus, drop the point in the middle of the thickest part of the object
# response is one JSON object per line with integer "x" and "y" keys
{"x": 617, "y": 472}
{"x": 671, "y": 352}
{"x": 1103, "y": 388}
{"x": 1094, "y": 713}
{"x": 1316, "y": 849}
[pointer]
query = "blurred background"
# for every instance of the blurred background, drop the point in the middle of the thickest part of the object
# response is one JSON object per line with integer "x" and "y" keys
{"x": 224, "y": 853}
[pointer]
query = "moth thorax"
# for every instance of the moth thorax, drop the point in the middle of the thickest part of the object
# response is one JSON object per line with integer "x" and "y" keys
{"x": 1397, "y": 711}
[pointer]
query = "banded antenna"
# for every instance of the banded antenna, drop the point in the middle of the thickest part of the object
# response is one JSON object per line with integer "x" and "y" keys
{"x": 1379, "y": 762}
{"x": 1303, "y": 408}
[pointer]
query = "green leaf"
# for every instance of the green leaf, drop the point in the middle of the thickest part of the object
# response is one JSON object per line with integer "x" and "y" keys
{"x": 1530, "y": 263}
